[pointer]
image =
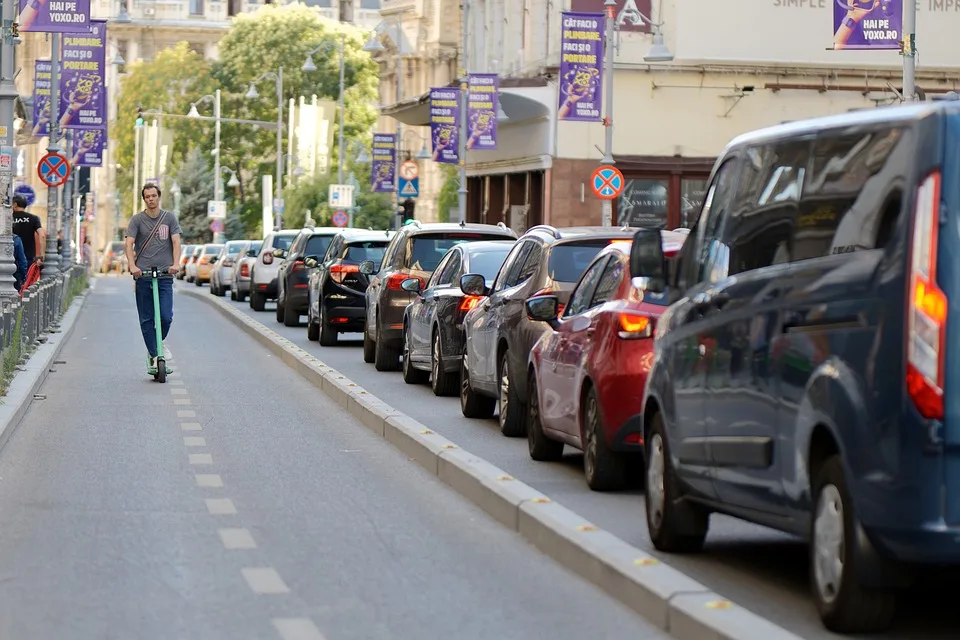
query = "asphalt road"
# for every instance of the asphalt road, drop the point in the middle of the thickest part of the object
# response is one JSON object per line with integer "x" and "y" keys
{"x": 237, "y": 501}
{"x": 756, "y": 567}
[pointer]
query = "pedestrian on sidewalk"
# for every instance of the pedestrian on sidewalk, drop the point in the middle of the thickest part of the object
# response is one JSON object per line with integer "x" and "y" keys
{"x": 29, "y": 228}
{"x": 152, "y": 240}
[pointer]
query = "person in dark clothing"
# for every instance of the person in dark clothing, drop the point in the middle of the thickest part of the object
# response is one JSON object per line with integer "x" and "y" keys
{"x": 28, "y": 227}
{"x": 20, "y": 258}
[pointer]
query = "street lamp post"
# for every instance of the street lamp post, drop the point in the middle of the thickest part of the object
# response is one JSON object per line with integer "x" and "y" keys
{"x": 51, "y": 258}
{"x": 424, "y": 153}
{"x": 216, "y": 137}
{"x": 310, "y": 66}
{"x": 362, "y": 158}
{"x": 278, "y": 184}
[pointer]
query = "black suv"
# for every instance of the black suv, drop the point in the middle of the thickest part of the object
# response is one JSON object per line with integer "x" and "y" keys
{"x": 293, "y": 274}
{"x": 414, "y": 252}
{"x": 499, "y": 335}
{"x": 335, "y": 298}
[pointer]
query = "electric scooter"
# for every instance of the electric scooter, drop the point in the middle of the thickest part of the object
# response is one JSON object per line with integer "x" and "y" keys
{"x": 161, "y": 374}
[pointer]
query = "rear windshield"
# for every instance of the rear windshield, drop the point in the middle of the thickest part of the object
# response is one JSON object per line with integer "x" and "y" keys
{"x": 568, "y": 261}
{"x": 212, "y": 249}
{"x": 427, "y": 250}
{"x": 360, "y": 251}
{"x": 317, "y": 246}
{"x": 234, "y": 249}
{"x": 282, "y": 242}
{"x": 255, "y": 246}
{"x": 488, "y": 262}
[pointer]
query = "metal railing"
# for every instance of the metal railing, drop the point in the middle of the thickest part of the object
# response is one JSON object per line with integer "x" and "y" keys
{"x": 25, "y": 323}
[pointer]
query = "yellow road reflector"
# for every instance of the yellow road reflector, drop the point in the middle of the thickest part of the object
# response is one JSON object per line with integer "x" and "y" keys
{"x": 645, "y": 562}
{"x": 426, "y": 432}
{"x": 719, "y": 604}
{"x": 586, "y": 527}
{"x": 504, "y": 477}
{"x": 540, "y": 500}
{"x": 449, "y": 446}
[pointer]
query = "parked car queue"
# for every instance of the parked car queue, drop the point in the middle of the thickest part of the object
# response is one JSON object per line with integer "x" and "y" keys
{"x": 785, "y": 361}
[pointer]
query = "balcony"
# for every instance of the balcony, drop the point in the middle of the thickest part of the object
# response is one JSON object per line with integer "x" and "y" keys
{"x": 214, "y": 13}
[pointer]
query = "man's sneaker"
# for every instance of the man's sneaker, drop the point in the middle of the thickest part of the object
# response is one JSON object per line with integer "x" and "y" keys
{"x": 166, "y": 352}
{"x": 151, "y": 366}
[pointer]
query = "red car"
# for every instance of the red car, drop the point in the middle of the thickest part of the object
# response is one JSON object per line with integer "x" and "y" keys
{"x": 588, "y": 373}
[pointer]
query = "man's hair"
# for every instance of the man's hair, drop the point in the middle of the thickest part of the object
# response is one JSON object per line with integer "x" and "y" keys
{"x": 20, "y": 201}
{"x": 143, "y": 192}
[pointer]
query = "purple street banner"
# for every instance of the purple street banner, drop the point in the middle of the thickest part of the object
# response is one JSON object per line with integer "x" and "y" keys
{"x": 383, "y": 169}
{"x": 581, "y": 67}
{"x": 482, "y": 101}
{"x": 55, "y": 16}
{"x": 87, "y": 147}
{"x": 867, "y": 24}
{"x": 83, "y": 97}
{"x": 445, "y": 124}
{"x": 42, "y": 85}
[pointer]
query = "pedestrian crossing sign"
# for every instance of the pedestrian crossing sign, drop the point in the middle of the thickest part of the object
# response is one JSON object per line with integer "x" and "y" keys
{"x": 408, "y": 188}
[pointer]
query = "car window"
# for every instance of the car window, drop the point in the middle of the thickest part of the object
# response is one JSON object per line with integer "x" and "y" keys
{"x": 361, "y": 251}
{"x": 488, "y": 262}
{"x": 438, "y": 272}
{"x": 568, "y": 260}
{"x": 609, "y": 282}
{"x": 317, "y": 245}
{"x": 516, "y": 253}
{"x": 255, "y": 248}
{"x": 510, "y": 277}
{"x": 531, "y": 263}
{"x": 282, "y": 242}
{"x": 583, "y": 292}
{"x": 426, "y": 250}
{"x": 211, "y": 250}
{"x": 451, "y": 270}
{"x": 715, "y": 205}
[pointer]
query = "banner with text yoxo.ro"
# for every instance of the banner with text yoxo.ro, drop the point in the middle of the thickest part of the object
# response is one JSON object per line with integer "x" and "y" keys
{"x": 54, "y": 16}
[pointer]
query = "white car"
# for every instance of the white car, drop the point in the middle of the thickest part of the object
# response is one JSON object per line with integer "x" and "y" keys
{"x": 240, "y": 288}
{"x": 263, "y": 273}
{"x": 221, "y": 277}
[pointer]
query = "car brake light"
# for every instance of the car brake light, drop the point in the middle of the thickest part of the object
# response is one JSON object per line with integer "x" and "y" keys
{"x": 548, "y": 292}
{"x": 338, "y": 272}
{"x": 393, "y": 282}
{"x": 297, "y": 266}
{"x": 927, "y": 307}
{"x": 468, "y": 302}
{"x": 268, "y": 257}
{"x": 245, "y": 270}
{"x": 633, "y": 326}
{"x": 203, "y": 260}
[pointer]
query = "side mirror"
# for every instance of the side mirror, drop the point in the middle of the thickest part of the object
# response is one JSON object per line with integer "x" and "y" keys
{"x": 411, "y": 285}
{"x": 279, "y": 253}
{"x": 367, "y": 267}
{"x": 214, "y": 259}
{"x": 252, "y": 253}
{"x": 311, "y": 262}
{"x": 544, "y": 309}
{"x": 647, "y": 259}
{"x": 473, "y": 284}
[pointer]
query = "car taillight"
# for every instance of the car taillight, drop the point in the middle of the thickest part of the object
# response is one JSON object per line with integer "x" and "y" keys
{"x": 633, "y": 326}
{"x": 204, "y": 260}
{"x": 268, "y": 258}
{"x": 228, "y": 262}
{"x": 338, "y": 272}
{"x": 469, "y": 302}
{"x": 297, "y": 266}
{"x": 245, "y": 270}
{"x": 548, "y": 292}
{"x": 393, "y": 282}
{"x": 927, "y": 307}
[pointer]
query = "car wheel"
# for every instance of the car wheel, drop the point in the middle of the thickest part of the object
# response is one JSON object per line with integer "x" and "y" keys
{"x": 328, "y": 335}
{"x": 197, "y": 282}
{"x": 257, "y": 301}
{"x": 443, "y": 382}
{"x": 233, "y": 295}
{"x": 291, "y": 317}
{"x": 369, "y": 346}
{"x": 281, "y": 307}
{"x": 472, "y": 404}
{"x": 385, "y": 358}
{"x": 540, "y": 446}
{"x": 509, "y": 405}
{"x": 313, "y": 327}
{"x": 674, "y": 524}
{"x": 411, "y": 375}
{"x": 844, "y": 605}
{"x": 604, "y": 468}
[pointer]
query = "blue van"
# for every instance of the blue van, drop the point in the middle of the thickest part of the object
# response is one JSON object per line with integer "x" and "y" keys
{"x": 801, "y": 378}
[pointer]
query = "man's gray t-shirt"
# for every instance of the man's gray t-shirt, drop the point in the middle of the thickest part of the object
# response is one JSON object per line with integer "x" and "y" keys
{"x": 159, "y": 251}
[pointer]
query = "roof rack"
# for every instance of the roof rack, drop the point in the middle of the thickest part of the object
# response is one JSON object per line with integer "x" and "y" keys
{"x": 545, "y": 227}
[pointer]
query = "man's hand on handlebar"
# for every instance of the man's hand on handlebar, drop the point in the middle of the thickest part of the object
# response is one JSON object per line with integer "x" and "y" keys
{"x": 136, "y": 271}
{"x": 174, "y": 270}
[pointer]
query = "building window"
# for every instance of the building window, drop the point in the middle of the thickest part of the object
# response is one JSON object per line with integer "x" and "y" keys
{"x": 644, "y": 203}
{"x": 692, "y": 191}
{"x": 196, "y": 7}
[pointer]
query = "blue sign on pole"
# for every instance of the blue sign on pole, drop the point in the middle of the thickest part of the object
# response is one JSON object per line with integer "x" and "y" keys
{"x": 27, "y": 192}
{"x": 408, "y": 188}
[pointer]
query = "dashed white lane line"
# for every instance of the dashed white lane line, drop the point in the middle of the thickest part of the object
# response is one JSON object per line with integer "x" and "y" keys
{"x": 265, "y": 580}
{"x": 297, "y": 629}
{"x": 186, "y": 413}
{"x": 183, "y": 401}
{"x": 221, "y": 507}
{"x": 177, "y": 391}
{"x": 194, "y": 441}
{"x": 175, "y": 383}
{"x": 200, "y": 458}
{"x": 190, "y": 426}
{"x": 237, "y": 539}
{"x": 209, "y": 480}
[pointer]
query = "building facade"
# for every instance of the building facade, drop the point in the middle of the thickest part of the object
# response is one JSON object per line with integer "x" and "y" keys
{"x": 732, "y": 71}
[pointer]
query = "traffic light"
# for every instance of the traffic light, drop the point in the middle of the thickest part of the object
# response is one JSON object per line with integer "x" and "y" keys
{"x": 139, "y": 116}
{"x": 408, "y": 209}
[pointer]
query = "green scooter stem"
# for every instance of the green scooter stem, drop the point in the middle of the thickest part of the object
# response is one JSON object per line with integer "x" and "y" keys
{"x": 156, "y": 312}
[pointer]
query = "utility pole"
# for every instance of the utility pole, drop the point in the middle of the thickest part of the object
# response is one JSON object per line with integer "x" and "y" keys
{"x": 67, "y": 225}
{"x": 611, "y": 7}
{"x": 462, "y": 152}
{"x": 51, "y": 259}
{"x": 909, "y": 50}
{"x": 8, "y": 96}
{"x": 278, "y": 187}
{"x": 217, "y": 237}
{"x": 341, "y": 151}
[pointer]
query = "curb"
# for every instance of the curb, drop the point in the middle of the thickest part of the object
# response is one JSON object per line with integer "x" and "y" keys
{"x": 679, "y": 605}
{"x": 27, "y": 382}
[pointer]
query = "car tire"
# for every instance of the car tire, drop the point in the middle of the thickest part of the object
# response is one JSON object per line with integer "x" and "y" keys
{"x": 411, "y": 375}
{"x": 257, "y": 302}
{"x": 604, "y": 468}
{"x": 290, "y": 316}
{"x": 313, "y": 327}
{"x": 385, "y": 358}
{"x": 443, "y": 382}
{"x": 541, "y": 448}
{"x": 281, "y": 307}
{"x": 849, "y": 607}
{"x": 472, "y": 404}
{"x": 328, "y": 335}
{"x": 369, "y": 346}
{"x": 233, "y": 295}
{"x": 512, "y": 419}
{"x": 674, "y": 525}
{"x": 197, "y": 282}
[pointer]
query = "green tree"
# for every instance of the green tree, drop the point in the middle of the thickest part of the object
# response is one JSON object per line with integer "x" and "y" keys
{"x": 449, "y": 197}
{"x": 195, "y": 178}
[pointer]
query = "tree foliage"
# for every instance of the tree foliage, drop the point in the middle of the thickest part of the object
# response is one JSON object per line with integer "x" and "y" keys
{"x": 195, "y": 178}
{"x": 449, "y": 197}
{"x": 273, "y": 37}
{"x": 371, "y": 209}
